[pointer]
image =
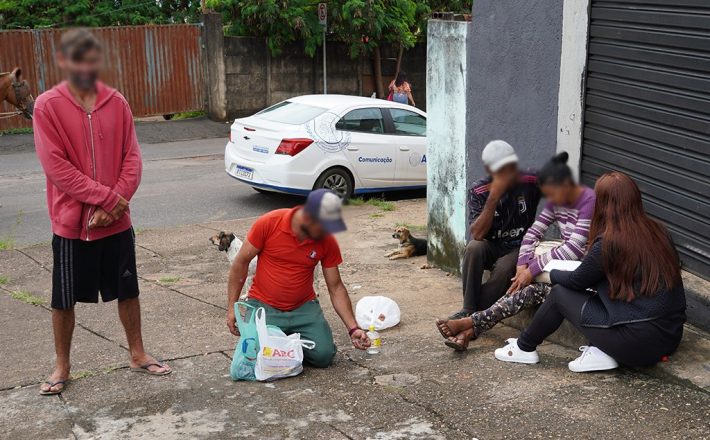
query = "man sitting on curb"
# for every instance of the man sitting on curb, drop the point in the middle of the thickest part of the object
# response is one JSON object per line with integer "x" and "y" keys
{"x": 290, "y": 243}
{"x": 502, "y": 206}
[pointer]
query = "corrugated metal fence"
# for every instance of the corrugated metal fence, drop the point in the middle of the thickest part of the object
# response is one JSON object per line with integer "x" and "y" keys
{"x": 157, "y": 68}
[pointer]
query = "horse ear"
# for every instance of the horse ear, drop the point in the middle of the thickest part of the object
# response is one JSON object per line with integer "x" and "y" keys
{"x": 17, "y": 73}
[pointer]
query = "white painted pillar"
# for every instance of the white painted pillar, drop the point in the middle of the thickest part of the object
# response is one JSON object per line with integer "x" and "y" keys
{"x": 573, "y": 63}
{"x": 446, "y": 142}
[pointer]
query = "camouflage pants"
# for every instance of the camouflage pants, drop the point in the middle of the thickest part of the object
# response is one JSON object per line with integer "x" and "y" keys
{"x": 509, "y": 305}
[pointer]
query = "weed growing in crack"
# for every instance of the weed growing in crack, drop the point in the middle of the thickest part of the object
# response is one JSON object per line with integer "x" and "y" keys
{"x": 27, "y": 298}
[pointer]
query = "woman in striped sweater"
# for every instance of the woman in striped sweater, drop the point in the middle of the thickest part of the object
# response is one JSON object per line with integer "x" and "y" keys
{"x": 571, "y": 206}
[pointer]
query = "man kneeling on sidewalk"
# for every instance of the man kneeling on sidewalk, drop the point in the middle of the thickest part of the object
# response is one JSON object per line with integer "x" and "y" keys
{"x": 290, "y": 243}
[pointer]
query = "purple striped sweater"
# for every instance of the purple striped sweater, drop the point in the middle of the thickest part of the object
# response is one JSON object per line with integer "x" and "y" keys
{"x": 573, "y": 221}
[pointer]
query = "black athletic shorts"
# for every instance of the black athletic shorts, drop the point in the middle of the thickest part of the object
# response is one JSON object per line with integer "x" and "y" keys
{"x": 82, "y": 269}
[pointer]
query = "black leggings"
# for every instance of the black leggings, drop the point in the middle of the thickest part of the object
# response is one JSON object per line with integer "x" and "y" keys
{"x": 636, "y": 344}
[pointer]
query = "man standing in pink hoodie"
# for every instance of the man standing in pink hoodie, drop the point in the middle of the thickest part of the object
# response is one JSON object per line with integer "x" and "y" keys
{"x": 86, "y": 142}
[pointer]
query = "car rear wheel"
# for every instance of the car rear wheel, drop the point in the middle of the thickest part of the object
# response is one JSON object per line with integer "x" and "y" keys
{"x": 337, "y": 180}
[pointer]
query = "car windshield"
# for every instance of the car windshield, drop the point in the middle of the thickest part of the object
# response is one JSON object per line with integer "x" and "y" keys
{"x": 287, "y": 112}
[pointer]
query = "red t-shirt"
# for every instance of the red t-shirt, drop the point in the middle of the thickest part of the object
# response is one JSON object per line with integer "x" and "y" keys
{"x": 284, "y": 271}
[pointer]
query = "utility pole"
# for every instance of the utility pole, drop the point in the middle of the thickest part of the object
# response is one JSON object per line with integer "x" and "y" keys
{"x": 323, "y": 20}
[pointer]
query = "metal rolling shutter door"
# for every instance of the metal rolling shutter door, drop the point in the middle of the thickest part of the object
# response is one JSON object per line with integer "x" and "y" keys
{"x": 647, "y": 112}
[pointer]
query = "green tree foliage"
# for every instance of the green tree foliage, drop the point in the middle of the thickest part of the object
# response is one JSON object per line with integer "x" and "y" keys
{"x": 38, "y": 14}
{"x": 283, "y": 21}
{"x": 367, "y": 24}
{"x": 363, "y": 24}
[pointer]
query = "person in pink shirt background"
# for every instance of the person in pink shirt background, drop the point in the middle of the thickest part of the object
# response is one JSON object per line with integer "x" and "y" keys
{"x": 400, "y": 90}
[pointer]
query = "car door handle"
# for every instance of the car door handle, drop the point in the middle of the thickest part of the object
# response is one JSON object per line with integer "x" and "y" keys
{"x": 403, "y": 148}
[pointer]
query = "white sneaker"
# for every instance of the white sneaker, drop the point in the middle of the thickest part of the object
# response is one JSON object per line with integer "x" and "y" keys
{"x": 512, "y": 353}
{"x": 592, "y": 359}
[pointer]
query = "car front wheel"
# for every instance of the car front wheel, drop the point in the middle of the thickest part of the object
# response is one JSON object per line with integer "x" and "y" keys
{"x": 337, "y": 180}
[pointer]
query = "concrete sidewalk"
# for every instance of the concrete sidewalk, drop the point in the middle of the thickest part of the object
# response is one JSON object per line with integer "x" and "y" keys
{"x": 416, "y": 389}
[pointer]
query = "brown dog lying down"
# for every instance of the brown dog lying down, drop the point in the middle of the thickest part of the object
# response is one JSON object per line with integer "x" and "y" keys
{"x": 408, "y": 246}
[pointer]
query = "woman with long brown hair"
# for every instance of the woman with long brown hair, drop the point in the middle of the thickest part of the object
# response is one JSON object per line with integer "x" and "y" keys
{"x": 626, "y": 297}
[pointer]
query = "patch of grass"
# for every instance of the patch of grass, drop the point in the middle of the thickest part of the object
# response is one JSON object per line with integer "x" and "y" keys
{"x": 82, "y": 374}
{"x": 7, "y": 243}
{"x": 108, "y": 370}
{"x": 382, "y": 204}
{"x": 378, "y": 203}
{"x": 138, "y": 230}
{"x": 27, "y": 298}
{"x": 188, "y": 115}
{"x": 24, "y": 130}
{"x": 168, "y": 280}
{"x": 4, "y": 280}
{"x": 377, "y": 215}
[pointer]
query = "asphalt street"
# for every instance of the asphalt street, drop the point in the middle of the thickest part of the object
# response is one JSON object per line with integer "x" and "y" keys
{"x": 183, "y": 183}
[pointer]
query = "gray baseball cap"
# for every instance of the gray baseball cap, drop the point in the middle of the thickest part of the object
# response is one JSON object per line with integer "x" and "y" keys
{"x": 326, "y": 207}
{"x": 498, "y": 154}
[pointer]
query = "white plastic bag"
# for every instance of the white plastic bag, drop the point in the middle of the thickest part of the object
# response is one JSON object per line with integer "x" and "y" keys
{"x": 279, "y": 355}
{"x": 380, "y": 311}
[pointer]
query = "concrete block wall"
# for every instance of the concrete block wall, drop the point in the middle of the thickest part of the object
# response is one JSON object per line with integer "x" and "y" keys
{"x": 343, "y": 71}
{"x": 213, "y": 57}
{"x": 255, "y": 79}
{"x": 414, "y": 64}
{"x": 245, "y": 77}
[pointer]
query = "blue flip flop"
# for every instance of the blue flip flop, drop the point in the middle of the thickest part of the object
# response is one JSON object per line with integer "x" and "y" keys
{"x": 49, "y": 392}
{"x": 145, "y": 369}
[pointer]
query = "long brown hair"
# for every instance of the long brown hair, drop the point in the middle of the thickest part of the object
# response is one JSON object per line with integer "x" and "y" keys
{"x": 635, "y": 248}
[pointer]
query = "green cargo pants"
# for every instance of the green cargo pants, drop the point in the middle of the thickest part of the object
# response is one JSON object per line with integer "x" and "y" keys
{"x": 308, "y": 320}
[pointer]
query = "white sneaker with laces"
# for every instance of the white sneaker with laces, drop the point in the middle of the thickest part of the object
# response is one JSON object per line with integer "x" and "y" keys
{"x": 512, "y": 353}
{"x": 592, "y": 359}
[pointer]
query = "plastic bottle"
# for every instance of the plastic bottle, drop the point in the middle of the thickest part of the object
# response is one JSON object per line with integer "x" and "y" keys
{"x": 375, "y": 341}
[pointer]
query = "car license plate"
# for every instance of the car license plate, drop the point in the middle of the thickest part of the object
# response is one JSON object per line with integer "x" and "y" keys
{"x": 243, "y": 172}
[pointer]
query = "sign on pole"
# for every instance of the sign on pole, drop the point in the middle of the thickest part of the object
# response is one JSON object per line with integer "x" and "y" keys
{"x": 323, "y": 14}
{"x": 323, "y": 20}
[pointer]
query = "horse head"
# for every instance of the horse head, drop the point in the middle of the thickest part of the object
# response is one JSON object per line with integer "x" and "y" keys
{"x": 17, "y": 92}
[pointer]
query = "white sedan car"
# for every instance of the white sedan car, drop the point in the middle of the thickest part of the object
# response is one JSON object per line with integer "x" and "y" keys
{"x": 350, "y": 144}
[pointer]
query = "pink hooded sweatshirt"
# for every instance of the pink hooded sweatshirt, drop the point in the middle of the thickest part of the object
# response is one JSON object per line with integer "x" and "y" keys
{"x": 89, "y": 159}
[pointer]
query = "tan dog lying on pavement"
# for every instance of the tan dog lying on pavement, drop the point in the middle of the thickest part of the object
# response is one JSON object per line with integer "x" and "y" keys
{"x": 408, "y": 246}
